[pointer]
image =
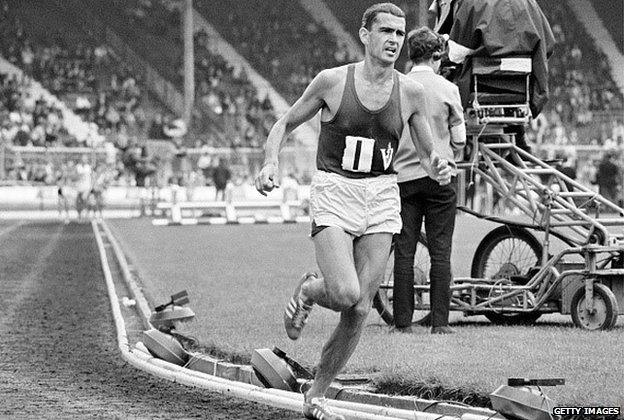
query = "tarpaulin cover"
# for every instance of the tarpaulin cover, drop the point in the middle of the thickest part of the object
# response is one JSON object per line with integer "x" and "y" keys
{"x": 502, "y": 28}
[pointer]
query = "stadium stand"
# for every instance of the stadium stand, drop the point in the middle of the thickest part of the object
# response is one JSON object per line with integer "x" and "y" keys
{"x": 278, "y": 38}
{"x": 95, "y": 76}
{"x": 611, "y": 12}
{"x": 225, "y": 99}
{"x": 87, "y": 76}
{"x": 585, "y": 105}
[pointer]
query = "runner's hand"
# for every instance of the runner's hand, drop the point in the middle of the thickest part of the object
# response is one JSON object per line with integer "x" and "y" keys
{"x": 443, "y": 170}
{"x": 266, "y": 179}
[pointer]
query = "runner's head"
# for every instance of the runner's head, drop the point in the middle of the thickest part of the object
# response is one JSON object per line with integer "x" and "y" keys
{"x": 383, "y": 32}
{"x": 370, "y": 15}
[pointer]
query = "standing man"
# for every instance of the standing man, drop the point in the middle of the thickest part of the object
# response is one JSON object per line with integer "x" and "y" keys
{"x": 607, "y": 176}
{"x": 422, "y": 197}
{"x": 354, "y": 197}
{"x": 221, "y": 175}
{"x": 83, "y": 182}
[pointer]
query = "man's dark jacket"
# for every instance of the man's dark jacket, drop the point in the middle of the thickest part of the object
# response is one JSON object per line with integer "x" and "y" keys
{"x": 501, "y": 28}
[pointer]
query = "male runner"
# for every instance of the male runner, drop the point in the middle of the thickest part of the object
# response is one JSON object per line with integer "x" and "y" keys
{"x": 354, "y": 197}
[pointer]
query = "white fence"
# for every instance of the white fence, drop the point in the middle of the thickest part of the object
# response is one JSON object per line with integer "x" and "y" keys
{"x": 298, "y": 160}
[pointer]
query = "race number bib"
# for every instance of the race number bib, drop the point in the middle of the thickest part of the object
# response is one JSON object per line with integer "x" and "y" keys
{"x": 358, "y": 154}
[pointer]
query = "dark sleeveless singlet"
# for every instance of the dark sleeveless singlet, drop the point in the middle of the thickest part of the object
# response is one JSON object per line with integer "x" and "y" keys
{"x": 358, "y": 142}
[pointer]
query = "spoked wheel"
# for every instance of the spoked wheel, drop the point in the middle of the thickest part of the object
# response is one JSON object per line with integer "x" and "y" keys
{"x": 384, "y": 297}
{"x": 604, "y": 312}
{"x": 508, "y": 252}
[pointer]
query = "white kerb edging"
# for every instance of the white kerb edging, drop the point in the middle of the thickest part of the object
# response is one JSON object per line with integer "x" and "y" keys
{"x": 273, "y": 397}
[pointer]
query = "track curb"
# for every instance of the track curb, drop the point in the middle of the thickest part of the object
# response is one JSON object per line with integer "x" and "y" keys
{"x": 240, "y": 381}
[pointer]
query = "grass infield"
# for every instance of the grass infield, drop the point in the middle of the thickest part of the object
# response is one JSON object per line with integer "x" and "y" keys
{"x": 240, "y": 277}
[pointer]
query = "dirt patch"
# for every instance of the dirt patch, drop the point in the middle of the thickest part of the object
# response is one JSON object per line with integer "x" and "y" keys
{"x": 59, "y": 355}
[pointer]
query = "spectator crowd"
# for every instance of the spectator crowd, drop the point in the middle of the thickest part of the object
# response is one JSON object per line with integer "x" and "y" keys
{"x": 585, "y": 105}
{"x": 278, "y": 38}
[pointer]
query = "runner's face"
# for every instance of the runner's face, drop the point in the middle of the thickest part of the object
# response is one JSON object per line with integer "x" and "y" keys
{"x": 385, "y": 38}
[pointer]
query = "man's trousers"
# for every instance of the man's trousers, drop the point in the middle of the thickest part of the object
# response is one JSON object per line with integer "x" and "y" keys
{"x": 424, "y": 198}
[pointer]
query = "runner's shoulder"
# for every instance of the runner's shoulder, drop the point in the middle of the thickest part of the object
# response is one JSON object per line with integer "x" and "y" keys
{"x": 331, "y": 78}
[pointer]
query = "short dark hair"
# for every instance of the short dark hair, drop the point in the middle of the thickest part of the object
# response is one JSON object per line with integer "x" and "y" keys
{"x": 371, "y": 13}
{"x": 423, "y": 43}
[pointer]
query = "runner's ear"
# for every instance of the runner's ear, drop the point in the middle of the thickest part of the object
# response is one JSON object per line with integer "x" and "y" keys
{"x": 363, "y": 32}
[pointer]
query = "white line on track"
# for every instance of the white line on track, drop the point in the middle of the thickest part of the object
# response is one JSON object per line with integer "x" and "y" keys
{"x": 10, "y": 228}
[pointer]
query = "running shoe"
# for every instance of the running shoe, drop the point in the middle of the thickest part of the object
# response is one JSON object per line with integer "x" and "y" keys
{"x": 297, "y": 311}
{"x": 317, "y": 409}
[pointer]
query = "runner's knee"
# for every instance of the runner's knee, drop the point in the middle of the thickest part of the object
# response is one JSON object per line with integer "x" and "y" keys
{"x": 360, "y": 310}
{"x": 345, "y": 297}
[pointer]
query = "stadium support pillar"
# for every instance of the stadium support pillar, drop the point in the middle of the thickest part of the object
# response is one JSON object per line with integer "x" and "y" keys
{"x": 2, "y": 158}
{"x": 421, "y": 8}
{"x": 189, "y": 61}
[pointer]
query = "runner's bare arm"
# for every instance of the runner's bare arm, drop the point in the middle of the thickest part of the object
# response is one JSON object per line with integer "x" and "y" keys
{"x": 311, "y": 101}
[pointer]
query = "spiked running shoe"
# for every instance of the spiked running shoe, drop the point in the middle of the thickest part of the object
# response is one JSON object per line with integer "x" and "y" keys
{"x": 297, "y": 311}
{"x": 317, "y": 409}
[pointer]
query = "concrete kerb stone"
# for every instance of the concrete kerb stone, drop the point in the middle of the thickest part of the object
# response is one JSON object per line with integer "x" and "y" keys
{"x": 205, "y": 367}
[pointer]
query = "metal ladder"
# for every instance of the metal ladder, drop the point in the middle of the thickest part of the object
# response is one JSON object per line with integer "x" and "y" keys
{"x": 560, "y": 205}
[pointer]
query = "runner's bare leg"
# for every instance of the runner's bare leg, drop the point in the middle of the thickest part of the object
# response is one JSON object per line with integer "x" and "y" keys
{"x": 348, "y": 266}
{"x": 338, "y": 288}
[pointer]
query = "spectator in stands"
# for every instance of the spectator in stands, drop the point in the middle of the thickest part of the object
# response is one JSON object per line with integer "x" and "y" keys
{"x": 62, "y": 191}
{"x": 204, "y": 163}
{"x": 567, "y": 166}
{"x": 180, "y": 165}
{"x": 156, "y": 131}
{"x": 617, "y": 132}
{"x": 139, "y": 163}
{"x": 101, "y": 181}
{"x": 22, "y": 137}
{"x": 82, "y": 184}
{"x": 221, "y": 175}
{"x": 608, "y": 176}
{"x": 174, "y": 128}
{"x": 290, "y": 187}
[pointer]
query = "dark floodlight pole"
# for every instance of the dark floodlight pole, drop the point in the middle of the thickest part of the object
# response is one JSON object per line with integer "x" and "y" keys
{"x": 189, "y": 60}
{"x": 2, "y": 157}
{"x": 421, "y": 8}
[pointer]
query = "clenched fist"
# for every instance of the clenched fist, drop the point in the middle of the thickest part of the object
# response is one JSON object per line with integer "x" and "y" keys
{"x": 266, "y": 179}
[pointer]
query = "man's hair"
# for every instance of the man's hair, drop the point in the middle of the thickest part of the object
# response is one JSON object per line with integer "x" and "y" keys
{"x": 423, "y": 43}
{"x": 371, "y": 13}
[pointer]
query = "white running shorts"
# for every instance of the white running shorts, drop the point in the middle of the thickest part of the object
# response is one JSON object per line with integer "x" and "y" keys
{"x": 358, "y": 206}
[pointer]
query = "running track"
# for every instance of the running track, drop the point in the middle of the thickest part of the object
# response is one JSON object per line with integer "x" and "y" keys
{"x": 58, "y": 352}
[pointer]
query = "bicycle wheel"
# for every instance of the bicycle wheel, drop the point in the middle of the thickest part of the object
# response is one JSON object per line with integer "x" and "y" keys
{"x": 382, "y": 301}
{"x": 507, "y": 252}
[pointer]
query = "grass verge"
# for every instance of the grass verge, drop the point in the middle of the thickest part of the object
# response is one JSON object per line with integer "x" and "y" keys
{"x": 239, "y": 278}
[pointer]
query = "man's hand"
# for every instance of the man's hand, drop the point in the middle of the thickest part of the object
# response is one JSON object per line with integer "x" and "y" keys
{"x": 265, "y": 181}
{"x": 442, "y": 170}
